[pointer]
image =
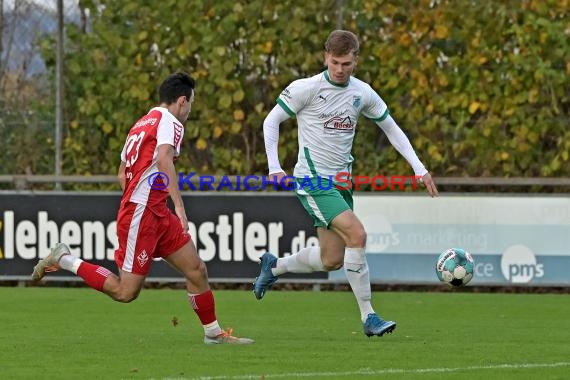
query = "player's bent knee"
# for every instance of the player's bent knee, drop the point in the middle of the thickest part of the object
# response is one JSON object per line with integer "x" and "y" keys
{"x": 331, "y": 265}
{"x": 125, "y": 296}
{"x": 357, "y": 238}
{"x": 202, "y": 269}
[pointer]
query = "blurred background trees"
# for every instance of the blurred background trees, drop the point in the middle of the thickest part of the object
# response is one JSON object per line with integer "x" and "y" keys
{"x": 481, "y": 88}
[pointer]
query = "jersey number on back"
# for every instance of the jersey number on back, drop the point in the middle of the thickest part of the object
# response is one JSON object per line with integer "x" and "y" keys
{"x": 133, "y": 146}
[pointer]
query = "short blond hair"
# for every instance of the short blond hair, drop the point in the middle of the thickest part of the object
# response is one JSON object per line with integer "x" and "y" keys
{"x": 342, "y": 42}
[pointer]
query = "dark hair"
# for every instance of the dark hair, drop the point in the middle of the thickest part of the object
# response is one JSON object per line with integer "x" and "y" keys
{"x": 342, "y": 42}
{"x": 176, "y": 85}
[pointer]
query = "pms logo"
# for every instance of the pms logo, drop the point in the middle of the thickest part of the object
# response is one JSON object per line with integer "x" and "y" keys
{"x": 519, "y": 265}
{"x": 380, "y": 235}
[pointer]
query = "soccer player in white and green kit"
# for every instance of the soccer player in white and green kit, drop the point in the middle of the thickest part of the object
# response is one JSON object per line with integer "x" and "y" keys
{"x": 327, "y": 107}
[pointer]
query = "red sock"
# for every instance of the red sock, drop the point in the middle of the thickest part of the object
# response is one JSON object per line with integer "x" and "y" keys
{"x": 93, "y": 275}
{"x": 204, "y": 306}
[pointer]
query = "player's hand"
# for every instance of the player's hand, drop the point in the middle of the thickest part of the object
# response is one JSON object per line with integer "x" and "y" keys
{"x": 181, "y": 214}
{"x": 282, "y": 179}
{"x": 428, "y": 182}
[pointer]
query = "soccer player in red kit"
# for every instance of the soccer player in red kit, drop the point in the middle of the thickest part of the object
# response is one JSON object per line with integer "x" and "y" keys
{"x": 146, "y": 228}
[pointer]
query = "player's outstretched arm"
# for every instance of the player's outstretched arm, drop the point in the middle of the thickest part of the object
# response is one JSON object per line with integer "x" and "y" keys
{"x": 271, "y": 138}
{"x": 400, "y": 141}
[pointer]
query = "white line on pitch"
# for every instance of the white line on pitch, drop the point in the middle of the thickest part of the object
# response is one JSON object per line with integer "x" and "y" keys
{"x": 371, "y": 372}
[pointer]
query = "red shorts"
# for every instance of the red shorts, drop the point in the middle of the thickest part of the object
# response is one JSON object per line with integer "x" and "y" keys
{"x": 145, "y": 234}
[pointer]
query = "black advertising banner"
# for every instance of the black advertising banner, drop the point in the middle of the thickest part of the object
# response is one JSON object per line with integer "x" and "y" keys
{"x": 231, "y": 231}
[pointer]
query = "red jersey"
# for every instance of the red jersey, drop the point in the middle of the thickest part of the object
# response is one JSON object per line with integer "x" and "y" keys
{"x": 140, "y": 156}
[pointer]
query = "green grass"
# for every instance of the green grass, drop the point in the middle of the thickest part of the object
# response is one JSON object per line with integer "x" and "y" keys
{"x": 76, "y": 333}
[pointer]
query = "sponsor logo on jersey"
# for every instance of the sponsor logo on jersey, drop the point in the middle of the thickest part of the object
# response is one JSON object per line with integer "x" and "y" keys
{"x": 144, "y": 121}
{"x": 286, "y": 94}
{"x": 330, "y": 115}
{"x": 339, "y": 125}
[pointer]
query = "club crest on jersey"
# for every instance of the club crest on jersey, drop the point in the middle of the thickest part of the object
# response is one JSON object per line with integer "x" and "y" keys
{"x": 142, "y": 258}
{"x": 356, "y": 101}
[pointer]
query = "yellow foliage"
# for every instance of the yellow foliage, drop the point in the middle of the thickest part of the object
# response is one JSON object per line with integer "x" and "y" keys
{"x": 441, "y": 32}
{"x": 225, "y": 101}
{"x": 259, "y": 107}
{"x": 501, "y": 156}
{"x": 200, "y": 73}
{"x": 474, "y": 106}
{"x": 201, "y": 144}
{"x": 509, "y": 112}
{"x": 475, "y": 42}
{"x": 434, "y": 153}
{"x": 533, "y": 137}
{"x": 533, "y": 95}
{"x": 182, "y": 49}
{"x": 239, "y": 115}
{"x": 238, "y": 95}
{"x": 392, "y": 82}
{"x": 524, "y": 147}
{"x": 217, "y": 132}
{"x": 422, "y": 81}
{"x": 268, "y": 47}
{"x": 405, "y": 39}
{"x": 107, "y": 128}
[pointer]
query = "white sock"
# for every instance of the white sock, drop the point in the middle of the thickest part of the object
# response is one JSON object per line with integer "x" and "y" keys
{"x": 307, "y": 260}
{"x": 356, "y": 269}
{"x": 212, "y": 329}
{"x": 70, "y": 263}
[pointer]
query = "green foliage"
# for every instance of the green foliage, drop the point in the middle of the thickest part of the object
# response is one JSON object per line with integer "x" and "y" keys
{"x": 481, "y": 88}
{"x": 26, "y": 128}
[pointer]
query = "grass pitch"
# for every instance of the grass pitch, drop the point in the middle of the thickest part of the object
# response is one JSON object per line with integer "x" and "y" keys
{"x": 77, "y": 333}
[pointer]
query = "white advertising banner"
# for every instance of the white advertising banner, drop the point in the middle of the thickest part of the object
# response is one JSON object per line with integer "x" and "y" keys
{"x": 514, "y": 240}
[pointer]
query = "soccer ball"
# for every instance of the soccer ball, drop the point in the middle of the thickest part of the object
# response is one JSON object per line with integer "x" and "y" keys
{"x": 455, "y": 267}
